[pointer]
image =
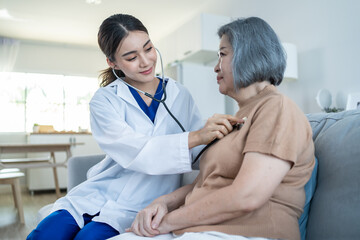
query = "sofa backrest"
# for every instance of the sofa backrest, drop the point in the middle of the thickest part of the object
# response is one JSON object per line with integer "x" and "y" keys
{"x": 78, "y": 167}
{"x": 335, "y": 207}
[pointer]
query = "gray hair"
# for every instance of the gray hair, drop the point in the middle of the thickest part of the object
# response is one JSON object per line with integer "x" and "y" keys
{"x": 258, "y": 54}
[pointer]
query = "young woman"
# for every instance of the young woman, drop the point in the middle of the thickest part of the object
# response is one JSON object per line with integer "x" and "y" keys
{"x": 146, "y": 149}
{"x": 251, "y": 182}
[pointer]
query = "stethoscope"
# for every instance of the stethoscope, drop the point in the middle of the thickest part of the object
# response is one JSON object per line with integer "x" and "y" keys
{"x": 162, "y": 100}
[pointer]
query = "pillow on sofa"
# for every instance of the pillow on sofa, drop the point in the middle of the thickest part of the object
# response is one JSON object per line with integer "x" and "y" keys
{"x": 335, "y": 207}
{"x": 309, "y": 193}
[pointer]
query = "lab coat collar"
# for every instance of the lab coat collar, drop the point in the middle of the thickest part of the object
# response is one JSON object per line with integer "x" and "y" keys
{"x": 172, "y": 91}
{"x": 123, "y": 92}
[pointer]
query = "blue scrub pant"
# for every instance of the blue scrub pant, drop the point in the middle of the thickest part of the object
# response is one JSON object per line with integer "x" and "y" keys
{"x": 61, "y": 225}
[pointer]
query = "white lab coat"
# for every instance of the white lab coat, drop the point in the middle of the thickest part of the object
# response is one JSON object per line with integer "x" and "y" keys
{"x": 143, "y": 159}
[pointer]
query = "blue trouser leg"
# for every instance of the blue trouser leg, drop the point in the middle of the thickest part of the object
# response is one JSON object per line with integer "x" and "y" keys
{"x": 96, "y": 231}
{"x": 59, "y": 225}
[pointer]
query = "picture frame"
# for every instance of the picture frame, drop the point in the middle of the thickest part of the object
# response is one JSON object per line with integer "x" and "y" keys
{"x": 353, "y": 101}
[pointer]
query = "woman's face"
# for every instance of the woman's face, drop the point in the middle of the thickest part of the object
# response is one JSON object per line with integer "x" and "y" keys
{"x": 136, "y": 58}
{"x": 224, "y": 67}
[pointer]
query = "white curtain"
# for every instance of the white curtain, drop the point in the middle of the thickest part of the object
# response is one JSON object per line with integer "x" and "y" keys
{"x": 9, "y": 49}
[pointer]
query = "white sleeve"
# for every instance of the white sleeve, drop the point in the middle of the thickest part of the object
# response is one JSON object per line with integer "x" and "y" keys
{"x": 155, "y": 155}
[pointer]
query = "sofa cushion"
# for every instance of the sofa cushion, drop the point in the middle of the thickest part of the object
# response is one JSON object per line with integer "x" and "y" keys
{"x": 335, "y": 207}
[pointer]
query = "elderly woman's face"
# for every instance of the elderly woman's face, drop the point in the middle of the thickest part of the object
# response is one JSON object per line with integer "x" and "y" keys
{"x": 224, "y": 67}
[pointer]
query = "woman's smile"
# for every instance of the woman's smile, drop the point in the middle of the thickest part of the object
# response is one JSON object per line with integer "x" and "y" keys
{"x": 146, "y": 72}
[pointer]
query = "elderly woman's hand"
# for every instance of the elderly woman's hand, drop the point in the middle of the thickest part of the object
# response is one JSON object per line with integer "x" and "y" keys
{"x": 148, "y": 219}
{"x": 217, "y": 126}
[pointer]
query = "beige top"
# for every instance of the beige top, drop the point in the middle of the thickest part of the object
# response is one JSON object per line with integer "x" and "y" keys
{"x": 274, "y": 126}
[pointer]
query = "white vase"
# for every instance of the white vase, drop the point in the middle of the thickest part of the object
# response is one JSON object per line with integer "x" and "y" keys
{"x": 36, "y": 129}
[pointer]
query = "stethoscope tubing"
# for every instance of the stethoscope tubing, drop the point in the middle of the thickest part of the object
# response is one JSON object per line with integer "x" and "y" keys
{"x": 163, "y": 98}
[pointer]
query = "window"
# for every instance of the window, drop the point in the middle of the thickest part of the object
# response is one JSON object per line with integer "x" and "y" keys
{"x": 45, "y": 99}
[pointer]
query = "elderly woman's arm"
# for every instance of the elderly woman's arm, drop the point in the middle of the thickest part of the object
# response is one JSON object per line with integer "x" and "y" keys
{"x": 148, "y": 219}
{"x": 257, "y": 179}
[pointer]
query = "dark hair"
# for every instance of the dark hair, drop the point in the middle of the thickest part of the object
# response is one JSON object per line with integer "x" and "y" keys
{"x": 111, "y": 32}
{"x": 258, "y": 54}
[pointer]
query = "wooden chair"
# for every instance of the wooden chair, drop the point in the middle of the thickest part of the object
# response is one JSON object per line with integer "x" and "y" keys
{"x": 12, "y": 176}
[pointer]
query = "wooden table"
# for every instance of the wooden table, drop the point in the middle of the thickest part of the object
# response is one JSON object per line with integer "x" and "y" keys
{"x": 36, "y": 162}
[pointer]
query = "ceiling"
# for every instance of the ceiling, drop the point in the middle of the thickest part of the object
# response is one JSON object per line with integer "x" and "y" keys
{"x": 77, "y": 22}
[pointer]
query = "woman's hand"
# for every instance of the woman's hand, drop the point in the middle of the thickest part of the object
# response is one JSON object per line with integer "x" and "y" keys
{"x": 217, "y": 126}
{"x": 165, "y": 227}
{"x": 148, "y": 220}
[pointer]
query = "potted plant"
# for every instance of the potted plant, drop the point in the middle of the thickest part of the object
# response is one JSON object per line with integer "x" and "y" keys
{"x": 36, "y": 128}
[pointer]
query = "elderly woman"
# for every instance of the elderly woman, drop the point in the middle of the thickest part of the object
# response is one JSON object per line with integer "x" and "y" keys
{"x": 251, "y": 182}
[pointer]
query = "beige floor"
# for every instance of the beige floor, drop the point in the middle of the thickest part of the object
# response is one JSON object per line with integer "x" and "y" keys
{"x": 10, "y": 227}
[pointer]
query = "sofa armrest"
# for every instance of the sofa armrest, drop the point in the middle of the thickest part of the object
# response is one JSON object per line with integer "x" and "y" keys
{"x": 78, "y": 167}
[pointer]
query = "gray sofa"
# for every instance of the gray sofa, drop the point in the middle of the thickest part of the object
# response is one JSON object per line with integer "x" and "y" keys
{"x": 335, "y": 206}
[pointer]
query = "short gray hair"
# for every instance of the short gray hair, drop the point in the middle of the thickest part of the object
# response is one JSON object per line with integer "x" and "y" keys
{"x": 258, "y": 54}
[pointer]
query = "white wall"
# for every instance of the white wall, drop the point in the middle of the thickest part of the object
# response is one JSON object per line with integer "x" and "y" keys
{"x": 326, "y": 33}
{"x": 201, "y": 82}
{"x": 52, "y": 58}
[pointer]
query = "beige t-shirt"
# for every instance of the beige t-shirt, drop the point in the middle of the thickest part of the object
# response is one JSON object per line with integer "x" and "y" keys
{"x": 274, "y": 126}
